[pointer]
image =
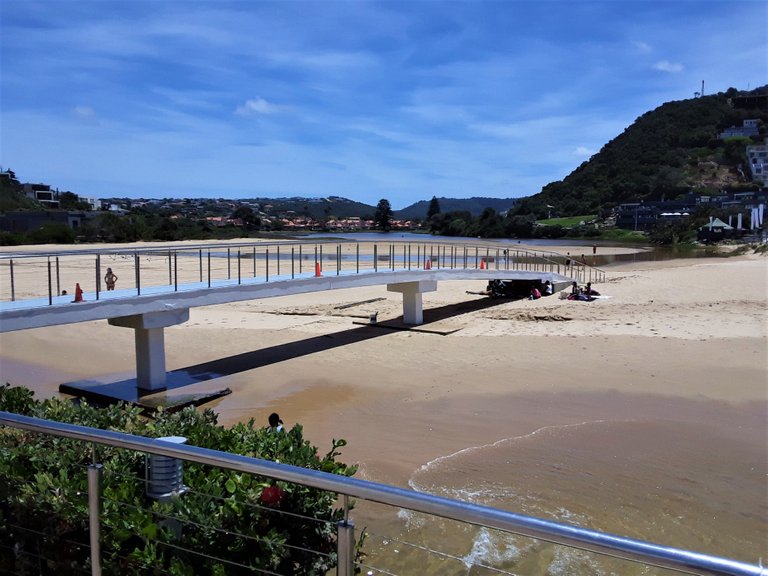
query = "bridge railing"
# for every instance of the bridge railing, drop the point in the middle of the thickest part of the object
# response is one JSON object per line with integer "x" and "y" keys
{"x": 635, "y": 552}
{"x": 55, "y": 276}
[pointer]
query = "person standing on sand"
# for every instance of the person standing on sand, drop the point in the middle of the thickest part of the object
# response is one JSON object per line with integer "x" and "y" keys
{"x": 275, "y": 424}
{"x": 110, "y": 279}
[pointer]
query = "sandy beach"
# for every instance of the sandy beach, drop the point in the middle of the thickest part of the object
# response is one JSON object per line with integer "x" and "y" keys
{"x": 642, "y": 413}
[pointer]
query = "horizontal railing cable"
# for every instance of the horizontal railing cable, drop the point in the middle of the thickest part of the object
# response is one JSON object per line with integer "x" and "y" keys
{"x": 219, "y": 530}
{"x": 253, "y": 505}
{"x": 442, "y": 554}
{"x": 547, "y": 530}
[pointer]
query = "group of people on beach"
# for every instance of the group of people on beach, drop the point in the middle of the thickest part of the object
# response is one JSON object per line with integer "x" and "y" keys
{"x": 585, "y": 294}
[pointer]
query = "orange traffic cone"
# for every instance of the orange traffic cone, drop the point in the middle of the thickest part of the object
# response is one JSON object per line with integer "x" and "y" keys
{"x": 482, "y": 264}
{"x": 428, "y": 265}
{"x": 78, "y": 293}
{"x": 318, "y": 272}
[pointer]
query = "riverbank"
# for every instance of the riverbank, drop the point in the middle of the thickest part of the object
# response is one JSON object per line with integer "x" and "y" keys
{"x": 642, "y": 413}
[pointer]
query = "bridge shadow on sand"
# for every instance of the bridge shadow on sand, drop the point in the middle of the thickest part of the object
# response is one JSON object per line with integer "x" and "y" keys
{"x": 183, "y": 385}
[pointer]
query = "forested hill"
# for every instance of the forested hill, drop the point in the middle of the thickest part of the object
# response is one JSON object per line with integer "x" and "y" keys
{"x": 664, "y": 153}
{"x": 475, "y": 206}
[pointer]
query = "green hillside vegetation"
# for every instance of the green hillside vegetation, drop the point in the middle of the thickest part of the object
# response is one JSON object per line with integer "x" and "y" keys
{"x": 12, "y": 196}
{"x": 662, "y": 155}
{"x": 568, "y": 221}
{"x": 475, "y": 206}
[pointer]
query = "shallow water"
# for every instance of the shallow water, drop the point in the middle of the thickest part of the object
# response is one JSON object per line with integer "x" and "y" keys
{"x": 681, "y": 484}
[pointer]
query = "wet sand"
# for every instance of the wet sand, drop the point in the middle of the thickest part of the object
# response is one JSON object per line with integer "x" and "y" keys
{"x": 643, "y": 413}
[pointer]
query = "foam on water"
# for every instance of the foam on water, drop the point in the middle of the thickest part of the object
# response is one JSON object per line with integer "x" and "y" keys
{"x": 490, "y": 548}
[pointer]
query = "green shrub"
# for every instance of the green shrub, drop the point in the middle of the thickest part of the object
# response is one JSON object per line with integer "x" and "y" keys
{"x": 43, "y": 498}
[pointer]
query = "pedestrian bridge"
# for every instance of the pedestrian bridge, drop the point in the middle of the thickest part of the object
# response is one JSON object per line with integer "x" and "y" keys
{"x": 156, "y": 287}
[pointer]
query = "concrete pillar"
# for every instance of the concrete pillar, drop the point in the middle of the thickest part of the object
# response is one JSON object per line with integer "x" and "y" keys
{"x": 150, "y": 344}
{"x": 413, "y": 310}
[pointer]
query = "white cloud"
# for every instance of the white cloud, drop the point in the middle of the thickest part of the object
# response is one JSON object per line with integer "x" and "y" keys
{"x": 257, "y": 106}
{"x": 84, "y": 112}
{"x": 583, "y": 151}
{"x": 642, "y": 47}
{"x": 667, "y": 66}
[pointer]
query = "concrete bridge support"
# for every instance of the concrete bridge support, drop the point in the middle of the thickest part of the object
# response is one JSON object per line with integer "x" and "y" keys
{"x": 150, "y": 344}
{"x": 413, "y": 309}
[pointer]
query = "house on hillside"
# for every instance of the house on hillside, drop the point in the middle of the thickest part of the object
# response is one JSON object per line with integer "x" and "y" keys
{"x": 747, "y": 129}
{"x": 757, "y": 156}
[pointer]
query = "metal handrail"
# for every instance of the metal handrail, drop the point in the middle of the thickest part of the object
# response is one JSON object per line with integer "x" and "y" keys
{"x": 547, "y": 530}
{"x": 493, "y": 256}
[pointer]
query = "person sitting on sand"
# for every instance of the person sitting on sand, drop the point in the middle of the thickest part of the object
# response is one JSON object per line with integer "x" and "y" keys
{"x": 275, "y": 424}
{"x": 110, "y": 279}
{"x": 548, "y": 288}
{"x": 535, "y": 294}
{"x": 589, "y": 291}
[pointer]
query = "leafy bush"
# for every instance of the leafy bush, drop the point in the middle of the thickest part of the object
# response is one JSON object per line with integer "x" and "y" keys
{"x": 251, "y": 522}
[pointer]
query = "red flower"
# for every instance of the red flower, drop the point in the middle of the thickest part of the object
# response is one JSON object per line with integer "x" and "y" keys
{"x": 272, "y": 496}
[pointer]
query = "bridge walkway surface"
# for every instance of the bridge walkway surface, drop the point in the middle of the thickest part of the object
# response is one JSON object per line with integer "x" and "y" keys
{"x": 168, "y": 281}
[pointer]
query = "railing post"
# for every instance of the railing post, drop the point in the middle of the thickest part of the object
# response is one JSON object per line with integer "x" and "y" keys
{"x": 239, "y": 261}
{"x": 175, "y": 271}
{"x": 338, "y": 259}
{"x": 375, "y": 258}
{"x": 278, "y": 259}
{"x": 170, "y": 272}
{"x": 137, "y": 273}
{"x": 50, "y": 288}
{"x": 345, "y": 544}
{"x": 13, "y": 284}
{"x": 98, "y": 275}
{"x": 58, "y": 278}
{"x": 254, "y": 262}
{"x": 209, "y": 268}
{"x": 357, "y": 258}
{"x": 200, "y": 260}
{"x": 229, "y": 264}
{"x": 94, "y": 516}
{"x": 266, "y": 264}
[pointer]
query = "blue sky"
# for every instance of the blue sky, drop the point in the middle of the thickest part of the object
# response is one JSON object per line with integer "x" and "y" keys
{"x": 366, "y": 100}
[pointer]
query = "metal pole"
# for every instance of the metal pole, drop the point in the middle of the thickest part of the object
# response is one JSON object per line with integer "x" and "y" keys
{"x": 293, "y": 270}
{"x": 299, "y": 258}
{"x": 58, "y": 279}
{"x": 254, "y": 261}
{"x": 50, "y": 288}
{"x": 13, "y": 284}
{"x": 345, "y": 549}
{"x": 278, "y": 260}
{"x": 375, "y": 259}
{"x": 200, "y": 261}
{"x": 338, "y": 259}
{"x": 209, "y": 268}
{"x": 170, "y": 275}
{"x": 136, "y": 272}
{"x": 98, "y": 275}
{"x": 357, "y": 258}
{"x": 321, "y": 257}
{"x": 175, "y": 271}
{"x": 266, "y": 263}
{"x": 229, "y": 264}
{"x": 94, "y": 516}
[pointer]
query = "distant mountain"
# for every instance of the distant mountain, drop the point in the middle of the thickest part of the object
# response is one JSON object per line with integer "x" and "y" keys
{"x": 315, "y": 207}
{"x": 663, "y": 154}
{"x": 474, "y": 206}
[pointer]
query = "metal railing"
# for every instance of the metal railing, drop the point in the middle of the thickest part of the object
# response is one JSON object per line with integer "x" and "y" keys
{"x": 558, "y": 533}
{"x": 40, "y": 275}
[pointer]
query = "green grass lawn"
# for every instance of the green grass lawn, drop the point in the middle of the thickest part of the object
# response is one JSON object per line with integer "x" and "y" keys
{"x": 567, "y": 222}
